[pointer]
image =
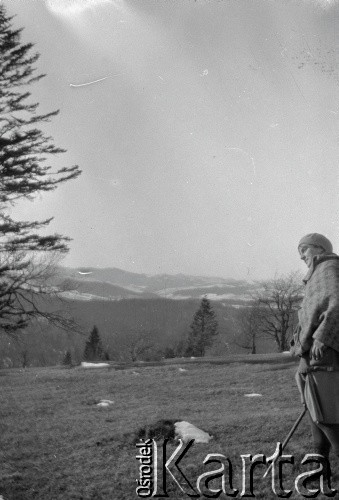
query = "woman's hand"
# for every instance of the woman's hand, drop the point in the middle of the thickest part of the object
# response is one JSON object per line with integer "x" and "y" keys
{"x": 317, "y": 350}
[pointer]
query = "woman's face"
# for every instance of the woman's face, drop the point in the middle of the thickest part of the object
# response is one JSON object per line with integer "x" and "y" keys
{"x": 307, "y": 252}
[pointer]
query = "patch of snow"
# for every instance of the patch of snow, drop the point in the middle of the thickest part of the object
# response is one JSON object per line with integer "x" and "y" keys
{"x": 105, "y": 402}
{"x": 211, "y": 296}
{"x": 172, "y": 290}
{"x": 252, "y": 395}
{"x": 136, "y": 373}
{"x": 75, "y": 295}
{"x": 286, "y": 353}
{"x": 179, "y": 297}
{"x": 85, "y": 364}
{"x": 186, "y": 431}
{"x": 133, "y": 288}
{"x": 182, "y": 370}
{"x": 229, "y": 296}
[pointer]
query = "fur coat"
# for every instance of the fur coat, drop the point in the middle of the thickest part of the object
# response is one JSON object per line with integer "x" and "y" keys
{"x": 319, "y": 312}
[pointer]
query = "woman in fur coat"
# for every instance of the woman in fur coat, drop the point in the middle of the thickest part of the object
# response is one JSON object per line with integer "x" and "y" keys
{"x": 316, "y": 341}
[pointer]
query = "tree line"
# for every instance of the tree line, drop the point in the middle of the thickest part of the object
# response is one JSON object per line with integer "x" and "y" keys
{"x": 271, "y": 313}
{"x": 132, "y": 330}
{"x": 203, "y": 329}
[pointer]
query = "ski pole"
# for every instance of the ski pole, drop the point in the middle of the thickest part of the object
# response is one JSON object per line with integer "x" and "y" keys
{"x": 288, "y": 437}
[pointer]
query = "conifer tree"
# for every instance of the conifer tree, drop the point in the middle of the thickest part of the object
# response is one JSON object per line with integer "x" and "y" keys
{"x": 93, "y": 348}
{"x": 67, "y": 361}
{"x": 203, "y": 330}
{"x": 24, "y": 151}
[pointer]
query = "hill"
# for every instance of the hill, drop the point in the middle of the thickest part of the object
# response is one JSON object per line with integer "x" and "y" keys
{"x": 114, "y": 284}
{"x": 72, "y": 449}
{"x": 127, "y": 306}
{"x": 121, "y": 324}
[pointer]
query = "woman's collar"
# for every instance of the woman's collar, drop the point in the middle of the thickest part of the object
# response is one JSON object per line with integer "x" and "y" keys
{"x": 315, "y": 261}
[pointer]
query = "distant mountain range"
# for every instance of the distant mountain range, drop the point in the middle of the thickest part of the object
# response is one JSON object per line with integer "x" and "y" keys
{"x": 91, "y": 283}
{"x": 124, "y": 306}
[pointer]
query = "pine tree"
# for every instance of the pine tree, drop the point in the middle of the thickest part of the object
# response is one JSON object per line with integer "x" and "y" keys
{"x": 67, "y": 361}
{"x": 24, "y": 150}
{"x": 93, "y": 348}
{"x": 203, "y": 329}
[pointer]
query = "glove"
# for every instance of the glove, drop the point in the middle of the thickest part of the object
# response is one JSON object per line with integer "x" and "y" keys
{"x": 317, "y": 350}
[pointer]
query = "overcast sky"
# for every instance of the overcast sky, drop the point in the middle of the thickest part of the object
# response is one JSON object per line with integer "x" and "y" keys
{"x": 209, "y": 143}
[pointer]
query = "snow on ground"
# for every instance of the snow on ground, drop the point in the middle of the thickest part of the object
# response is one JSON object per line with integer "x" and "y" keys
{"x": 85, "y": 364}
{"x": 252, "y": 395}
{"x": 229, "y": 296}
{"x": 104, "y": 403}
{"x": 75, "y": 295}
{"x": 186, "y": 431}
{"x": 173, "y": 290}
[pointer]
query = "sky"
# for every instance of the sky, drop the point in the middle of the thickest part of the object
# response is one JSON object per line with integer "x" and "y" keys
{"x": 207, "y": 130}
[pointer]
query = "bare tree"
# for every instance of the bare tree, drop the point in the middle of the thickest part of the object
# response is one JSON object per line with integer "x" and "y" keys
{"x": 27, "y": 291}
{"x": 139, "y": 344}
{"x": 135, "y": 345}
{"x": 248, "y": 325}
{"x": 278, "y": 300}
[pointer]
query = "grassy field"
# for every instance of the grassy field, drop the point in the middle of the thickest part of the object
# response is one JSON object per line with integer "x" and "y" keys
{"x": 56, "y": 443}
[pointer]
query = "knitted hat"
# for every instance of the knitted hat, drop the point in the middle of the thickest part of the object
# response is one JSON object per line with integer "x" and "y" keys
{"x": 317, "y": 240}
